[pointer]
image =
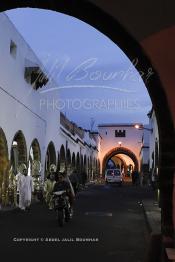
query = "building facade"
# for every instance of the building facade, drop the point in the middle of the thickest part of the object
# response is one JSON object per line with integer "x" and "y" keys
{"x": 152, "y": 42}
{"x": 145, "y": 156}
{"x": 32, "y": 131}
{"x": 121, "y": 140}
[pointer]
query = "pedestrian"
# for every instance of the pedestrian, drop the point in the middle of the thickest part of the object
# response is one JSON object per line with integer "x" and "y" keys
{"x": 133, "y": 176}
{"x": 17, "y": 178}
{"x": 84, "y": 178}
{"x": 25, "y": 186}
{"x": 48, "y": 187}
{"x": 74, "y": 180}
{"x": 67, "y": 179}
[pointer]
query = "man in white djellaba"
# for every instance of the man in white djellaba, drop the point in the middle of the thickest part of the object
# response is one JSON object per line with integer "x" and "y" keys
{"x": 18, "y": 177}
{"x": 25, "y": 186}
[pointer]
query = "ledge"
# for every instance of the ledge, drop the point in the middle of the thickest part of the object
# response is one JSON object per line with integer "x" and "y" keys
{"x": 171, "y": 254}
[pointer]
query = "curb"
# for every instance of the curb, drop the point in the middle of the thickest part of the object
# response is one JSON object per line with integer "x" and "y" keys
{"x": 149, "y": 228}
{"x": 153, "y": 252}
{"x": 152, "y": 218}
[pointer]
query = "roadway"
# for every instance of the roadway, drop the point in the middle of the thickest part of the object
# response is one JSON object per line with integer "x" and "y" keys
{"x": 108, "y": 224}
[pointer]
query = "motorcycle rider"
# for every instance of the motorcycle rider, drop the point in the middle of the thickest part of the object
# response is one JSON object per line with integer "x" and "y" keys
{"x": 62, "y": 184}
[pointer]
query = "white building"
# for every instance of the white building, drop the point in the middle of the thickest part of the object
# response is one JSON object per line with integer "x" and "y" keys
{"x": 144, "y": 154}
{"x": 31, "y": 129}
{"x": 149, "y": 153}
{"x": 153, "y": 143}
{"x": 121, "y": 140}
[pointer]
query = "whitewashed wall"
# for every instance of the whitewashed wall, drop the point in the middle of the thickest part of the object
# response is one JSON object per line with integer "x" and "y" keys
{"x": 22, "y": 107}
{"x": 132, "y": 141}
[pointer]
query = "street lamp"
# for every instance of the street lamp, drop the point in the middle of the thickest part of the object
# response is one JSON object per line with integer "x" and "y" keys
{"x": 120, "y": 143}
{"x": 14, "y": 143}
{"x": 141, "y": 127}
{"x": 15, "y": 156}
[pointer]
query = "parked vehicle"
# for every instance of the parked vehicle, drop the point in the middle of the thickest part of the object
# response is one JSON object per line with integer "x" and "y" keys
{"x": 113, "y": 176}
{"x": 62, "y": 207}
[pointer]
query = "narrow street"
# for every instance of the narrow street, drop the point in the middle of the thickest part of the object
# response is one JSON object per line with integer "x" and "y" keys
{"x": 108, "y": 224}
{"x": 87, "y": 98}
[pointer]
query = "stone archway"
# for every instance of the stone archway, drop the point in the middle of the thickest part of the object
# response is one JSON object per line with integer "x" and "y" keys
{"x": 123, "y": 163}
{"x": 4, "y": 170}
{"x": 62, "y": 158}
{"x": 116, "y": 151}
{"x": 18, "y": 151}
{"x": 85, "y": 163}
{"x": 98, "y": 163}
{"x": 50, "y": 157}
{"x": 58, "y": 162}
{"x": 68, "y": 162}
{"x": 73, "y": 161}
{"x": 35, "y": 158}
{"x": 36, "y": 150}
{"x": 35, "y": 164}
{"x": 81, "y": 163}
{"x": 98, "y": 18}
{"x": 88, "y": 168}
{"x": 78, "y": 164}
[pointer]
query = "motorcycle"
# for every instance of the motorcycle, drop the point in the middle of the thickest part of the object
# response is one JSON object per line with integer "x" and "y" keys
{"x": 62, "y": 207}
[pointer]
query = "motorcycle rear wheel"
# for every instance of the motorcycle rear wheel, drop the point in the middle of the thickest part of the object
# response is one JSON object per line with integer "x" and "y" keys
{"x": 61, "y": 217}
{"x": 67, "y": 215}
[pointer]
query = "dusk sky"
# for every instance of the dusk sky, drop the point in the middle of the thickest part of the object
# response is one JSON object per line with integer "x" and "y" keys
{"x": 95, "y": 79}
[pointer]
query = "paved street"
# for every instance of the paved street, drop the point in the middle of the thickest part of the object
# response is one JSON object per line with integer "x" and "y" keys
{"x": 108, "y": 217}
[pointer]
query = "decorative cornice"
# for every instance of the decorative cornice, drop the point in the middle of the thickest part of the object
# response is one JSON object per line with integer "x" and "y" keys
{"x": 78, "y": 140}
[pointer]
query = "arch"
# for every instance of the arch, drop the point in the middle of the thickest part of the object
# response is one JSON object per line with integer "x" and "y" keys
{"x": 3, "y": 148}
{"x": 98, "y": 163}
{"x": 116, "y": 151}
{"x": 78, "y": 162}
{"x": 81, "y": 163}
{"x": 90, "y": 162}
{"x": 35, "y": 146}
{"x": 58, "y": 162}
{"x": 95, "y": 16}
{"x": 94, "y": 164}
{"x": 4, "y": 170}
{"x": 110, "y": 164}
{"x": 34, "y": 158}
{"x": 108, "y": 25}
{"x": 50, "y": 157}
{"x": 73, "y": 161}
{"x": 18, "y": 151}
{"x": 85, "y": 162}
{"x": 88, "y": 167}
{"x": 123, "y": 164}
{"x": 68, "y": 161}
{"x": 62, "y": 158}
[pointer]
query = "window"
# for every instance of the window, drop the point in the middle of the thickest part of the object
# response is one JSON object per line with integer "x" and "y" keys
{"x": 13, "y": 49}
{"x": 120, "y": 133}
{"x": 35, "y": 77}
{"x": 113, "y": 172}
